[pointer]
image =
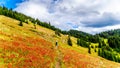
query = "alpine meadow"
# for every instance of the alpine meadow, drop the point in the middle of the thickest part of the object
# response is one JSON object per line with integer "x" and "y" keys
{"x": 28, "y": 42}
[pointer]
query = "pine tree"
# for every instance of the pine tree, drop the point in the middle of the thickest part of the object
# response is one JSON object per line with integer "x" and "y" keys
{"x": 113, "y": 57}
{"x": 99, "y": 54}
{"x": 69, "y": 41}
{"x": 100, "y": 44}
{"x": 20, "y": 24}
{"x": 89, "y": 50}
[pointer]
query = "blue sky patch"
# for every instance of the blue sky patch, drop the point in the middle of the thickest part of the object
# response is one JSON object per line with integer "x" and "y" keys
{"x": 10, "y": 3}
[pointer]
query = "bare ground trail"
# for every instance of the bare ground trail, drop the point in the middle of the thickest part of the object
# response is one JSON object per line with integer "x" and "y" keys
{"x": 58, "y": 63}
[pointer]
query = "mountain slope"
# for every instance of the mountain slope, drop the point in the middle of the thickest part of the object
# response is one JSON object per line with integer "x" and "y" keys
{"x": 24, "y": 46}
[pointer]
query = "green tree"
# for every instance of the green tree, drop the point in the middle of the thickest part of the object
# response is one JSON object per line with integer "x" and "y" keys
{"x": 69, "y": 41}
{"x": 57, "y": 33}
{"x": 89, "y": 50}
{"x": 20, "y": 24}
{"x": 35, "y": 25}
{"x": 100, "y": 44}
{"x": 82, "y": 43}
{"x": 99, "y": 52}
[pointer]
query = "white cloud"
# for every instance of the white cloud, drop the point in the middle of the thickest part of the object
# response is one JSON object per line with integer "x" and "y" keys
{"x": 69, "y": 14}
{"x": 97, "y": 30}
{"x": 111, "y": 6}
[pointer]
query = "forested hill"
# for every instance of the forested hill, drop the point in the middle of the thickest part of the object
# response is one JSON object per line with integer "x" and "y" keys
{"x": 110, "y": 33}
{"x": 111, "y": 50}
{"x": 84, "y": 36}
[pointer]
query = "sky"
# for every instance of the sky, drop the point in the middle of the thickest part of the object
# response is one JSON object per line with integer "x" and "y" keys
{"x": 91, "y": 16}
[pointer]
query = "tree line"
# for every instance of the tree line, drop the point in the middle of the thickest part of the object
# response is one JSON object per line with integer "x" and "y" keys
{"x": 23, "y": 18}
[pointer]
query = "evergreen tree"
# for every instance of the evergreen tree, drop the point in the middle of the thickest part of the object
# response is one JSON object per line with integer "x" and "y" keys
{"x": 89, "y": 50}
{"x": 35, "y": 25}
{"x": 82, "y": 43}
{"x": 20, "y": 24}
{"x": 57, "y": 32}
{"x": 99, "y": 54}
{"x": 100, "y": 44}
{"x": 113, "y": 57}
{"x": 69, "y": 41}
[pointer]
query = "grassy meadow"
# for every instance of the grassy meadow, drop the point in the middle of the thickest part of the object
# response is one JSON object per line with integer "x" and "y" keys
{"x": 26, "y": 47}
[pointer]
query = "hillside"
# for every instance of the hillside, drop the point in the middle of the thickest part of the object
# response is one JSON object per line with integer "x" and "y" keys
{"x": 26, "y": 47}
{"x": 109, "y": 33}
